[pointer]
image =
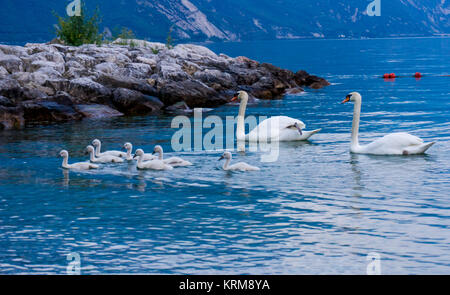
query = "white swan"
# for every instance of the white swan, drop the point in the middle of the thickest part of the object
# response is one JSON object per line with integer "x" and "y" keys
{"x": 153, "y": 165}
{"x": 278, "y": 128}
{"x": 102, "y": 158}
{"x": 173, "y": 161}
{"x": 391, "y": 144}
{"x": 98, "y": 146}
{"x": 129, "y": 157}
{"x": 241, "y": 166}
{"x": 129, "y": 147}
{"x": 75, "y": 166}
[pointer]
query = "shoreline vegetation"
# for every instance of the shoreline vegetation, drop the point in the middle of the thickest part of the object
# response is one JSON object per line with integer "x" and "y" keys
{"x": 84, "y": 74}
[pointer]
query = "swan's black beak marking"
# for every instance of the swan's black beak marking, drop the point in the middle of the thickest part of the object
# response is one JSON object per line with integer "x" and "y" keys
{"x": 134, "y": 156}
{"x": 347, "y": 99}
{"x": 221, "y": 158}
{"x": 153, "y": 153}
{"x": 298, "y": 128}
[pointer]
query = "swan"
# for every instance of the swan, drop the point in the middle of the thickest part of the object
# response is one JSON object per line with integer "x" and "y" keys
{"x": 391, "y": 144}
{"x": 129, "y": 157}
{"x": 98, "y": 146}
{"x": 173, "y": 161}
{"x": 103, "y": 158}
{"x": 129, "y": 147}
{"x": 153, "y": 165}
{"x": 278, "y": 128}
{"x": 241, "y": 166}
{"x": 75, "y": 166}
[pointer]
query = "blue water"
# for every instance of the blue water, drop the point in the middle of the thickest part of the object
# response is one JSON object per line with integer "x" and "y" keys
{"x": 317, "y": 210}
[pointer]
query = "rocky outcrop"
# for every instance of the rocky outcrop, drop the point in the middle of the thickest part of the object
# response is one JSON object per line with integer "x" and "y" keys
{"x": 53, "y": 82}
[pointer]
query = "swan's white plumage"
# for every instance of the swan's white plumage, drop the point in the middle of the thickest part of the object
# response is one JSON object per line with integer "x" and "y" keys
{"x": 98, "y": 146}
{"x": 278, "y": 128}
{"x": 241, "y": 166}
{"x": 391, "y": 144}
{"x": 75, "y": 166}
{"x": 172, "y": 161}
{"x": 102, "y": 159}
{"x": 152, "y": 165}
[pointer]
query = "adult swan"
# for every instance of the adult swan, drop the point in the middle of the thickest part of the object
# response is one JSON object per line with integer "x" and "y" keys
{"x": 391, "y": 144}
{"x": 279, "y": 128}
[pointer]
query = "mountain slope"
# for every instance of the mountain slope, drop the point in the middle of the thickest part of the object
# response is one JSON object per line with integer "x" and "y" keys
{"x": 233, "y": 20}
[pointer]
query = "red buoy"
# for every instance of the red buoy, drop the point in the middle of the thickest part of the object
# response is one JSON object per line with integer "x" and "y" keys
{"x": 392, "y": 75}
{"x": 386, "y": 76}
{"x": 418, "y": 75}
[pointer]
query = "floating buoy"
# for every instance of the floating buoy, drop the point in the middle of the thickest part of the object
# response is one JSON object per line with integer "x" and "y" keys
{"x": 386, "y": 76}
{"x": 392, "y": 75}
{"x": 418, "y": 75}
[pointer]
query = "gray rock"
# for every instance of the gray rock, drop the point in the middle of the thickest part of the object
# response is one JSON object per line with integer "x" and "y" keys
{"x": 11, "y": 63}
{"x": 132, "y": 102}
{"x": 48, "y": 111}
{"x": 3, "y": 73}
{"x": 57, "y": 82}
{"x": 127, "y": 82}
{"x": 88, "y": 90}
{"x": 97, "y": 111}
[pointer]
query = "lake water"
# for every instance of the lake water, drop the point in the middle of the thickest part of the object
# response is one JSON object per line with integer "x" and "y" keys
{"x": 317, "y": 210}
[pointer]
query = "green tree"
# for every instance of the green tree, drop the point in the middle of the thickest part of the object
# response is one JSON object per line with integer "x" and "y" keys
{"x": 79, "y": 30}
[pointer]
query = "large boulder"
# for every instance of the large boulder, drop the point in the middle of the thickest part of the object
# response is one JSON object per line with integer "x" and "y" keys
{"x": 48, "y": 111}
{"x": 132, "y": 102}
{"x": 11, "y": 63}
{"x": 302, "y": 78}
{"x": 114, "y": 81}
{"x": 88, "y": 90}
{"x": 194, "y": 93}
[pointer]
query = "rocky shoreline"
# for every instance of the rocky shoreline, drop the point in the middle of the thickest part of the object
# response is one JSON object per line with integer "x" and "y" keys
{"x": 53, "y": 82}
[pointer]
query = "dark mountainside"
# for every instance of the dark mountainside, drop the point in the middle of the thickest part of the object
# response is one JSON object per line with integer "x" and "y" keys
{"x": 234, "y": 20}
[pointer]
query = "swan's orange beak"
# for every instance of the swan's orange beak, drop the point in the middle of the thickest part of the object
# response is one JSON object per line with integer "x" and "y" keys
{"x": 347, "y": 99}
{"x": 234, "y": 98}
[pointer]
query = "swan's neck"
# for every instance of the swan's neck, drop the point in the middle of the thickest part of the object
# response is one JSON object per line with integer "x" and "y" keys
{"x": 160, "y": 155}
{"x": 97, "y": 149}
{"x": 226, "y": 164}
{"x": 240, "y": 131}
{"x": 140, "y": 159}
{"x": 92, "y": 156}
{"x": 355, "y": 123}
{"x": 129, "y": 152}
{"x": 65, "y": 162}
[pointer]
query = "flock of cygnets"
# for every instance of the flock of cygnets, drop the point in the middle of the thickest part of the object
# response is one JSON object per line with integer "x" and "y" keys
{"x": 144, "y": 161}
{"x": 277, "y": 128}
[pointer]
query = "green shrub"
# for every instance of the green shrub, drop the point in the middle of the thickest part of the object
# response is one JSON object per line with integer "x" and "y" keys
{"x": 169, "y": 40}
{"x": 79, "y": 30}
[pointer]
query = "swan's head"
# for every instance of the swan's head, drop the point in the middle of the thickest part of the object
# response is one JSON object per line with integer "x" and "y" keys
{"x": 226, "y": 155}
{"x": 96, "y": 142}
{"x": 128, "y": 146}
{"x": 64, "y": 153}
{"x": 240, "y": 95}
{"x": 90, "y": 149}
{"x": 353, "y": 96}
{"x": 138, "y": 153}
{"x": 157, "y": 149}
